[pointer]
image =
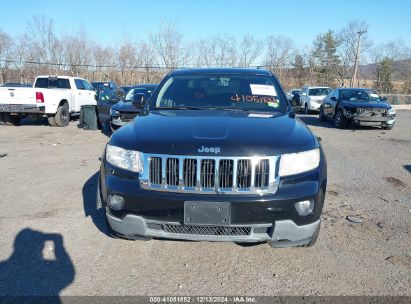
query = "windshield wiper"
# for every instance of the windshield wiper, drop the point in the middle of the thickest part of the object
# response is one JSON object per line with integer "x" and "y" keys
{"x": 258, "y": 111}
{"x": 229, "y": 109}
{"x": 179, "y": 108}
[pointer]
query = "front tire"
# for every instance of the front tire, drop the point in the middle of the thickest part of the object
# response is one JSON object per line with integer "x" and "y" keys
{"x": 340, "y": 121}
{"x": 52, "y": 121}
{"x": 321, "y": 115}
{"x": 62, "y": 115}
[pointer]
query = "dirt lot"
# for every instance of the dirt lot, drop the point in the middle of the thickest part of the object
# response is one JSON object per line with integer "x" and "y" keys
{"x": 54, "y": 241}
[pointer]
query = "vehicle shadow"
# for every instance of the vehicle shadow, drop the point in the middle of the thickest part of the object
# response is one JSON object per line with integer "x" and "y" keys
{"x": 104, "y": 129}
{"x": 38, "y": 122}
{"x": 313, "y": 120}
{"x": 38, "y": 266}
{"x": 90, "y": 204}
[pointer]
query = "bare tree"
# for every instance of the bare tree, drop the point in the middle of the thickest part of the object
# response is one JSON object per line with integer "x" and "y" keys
{"x": 168, "y": 43}
{"x": 147, "y": 60}
{"x": 249, "y": 50}
{"x": 44, "y": 43}
{"x": 127, "y": 59}
{"x": 104, "y": 61}
{"x": 354, "y": 43}
{"x": 215, "y": 51}
{"x": 77, "y": 52}
{"x": 278, "y": 54}
{"x": 21, "y": 54}
{"x": 5, "y": 47}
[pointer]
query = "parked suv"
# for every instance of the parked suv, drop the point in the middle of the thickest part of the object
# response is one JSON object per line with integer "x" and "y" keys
{"x": 216, "y": 155}
{"x": 311, "y": 98}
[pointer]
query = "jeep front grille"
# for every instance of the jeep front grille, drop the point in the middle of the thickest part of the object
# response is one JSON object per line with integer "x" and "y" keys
{"x": 198, "y": 174}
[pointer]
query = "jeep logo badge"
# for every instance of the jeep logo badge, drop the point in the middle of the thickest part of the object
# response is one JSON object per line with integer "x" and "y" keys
{"x": 215, "y": 150}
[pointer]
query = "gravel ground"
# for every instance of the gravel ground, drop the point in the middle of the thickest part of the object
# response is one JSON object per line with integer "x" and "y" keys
{"x": 54, "y": 241}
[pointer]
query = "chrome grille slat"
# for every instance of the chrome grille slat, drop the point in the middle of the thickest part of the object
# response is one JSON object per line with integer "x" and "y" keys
{"x": 225, "y": 173}
{"x": 190, "y": 172}
{"x": 172, "y": 173}
{"x": 210, "y": 174}
{"x": 207, "y": 173}
{"x": 244, "y": 174}
{"x": 155, "y": 170}
{"x": 262, "y": 170}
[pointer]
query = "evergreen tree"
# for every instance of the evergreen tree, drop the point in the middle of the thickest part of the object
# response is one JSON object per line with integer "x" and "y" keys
{"x": 325, "y": 53}
{"x": 384, "y": 74}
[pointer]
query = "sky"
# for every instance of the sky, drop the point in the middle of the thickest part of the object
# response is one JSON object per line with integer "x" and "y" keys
{"x": 109, "y": 21}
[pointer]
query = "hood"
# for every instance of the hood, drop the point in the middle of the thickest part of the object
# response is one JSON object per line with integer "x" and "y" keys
{"x": 234, "y": 133}
{"x": 365, "y": 104}
{"x": 125, "y": 106}
{"x": 318, "y": 98}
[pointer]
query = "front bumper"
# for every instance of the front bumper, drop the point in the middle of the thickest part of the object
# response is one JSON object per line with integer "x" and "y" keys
{"x": 313, "y": 106}
{"x": 373, "y": 120}
{"x": 22, "y": 108}
{"x": 117, "y": 122}
{"x": 284, "y": 232}
{"x": 271, "y": 217}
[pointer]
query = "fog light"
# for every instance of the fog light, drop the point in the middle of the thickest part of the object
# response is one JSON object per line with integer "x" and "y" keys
{"x": 115, "y": 202}
{"x": 304, "y": 207}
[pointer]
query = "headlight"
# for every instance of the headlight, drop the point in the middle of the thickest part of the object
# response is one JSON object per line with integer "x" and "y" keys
{"x": 391, "y": 111}
{"x": 295, "y": 163}
{"x": 125, "y": 159}
{"x": 114, "y": 112}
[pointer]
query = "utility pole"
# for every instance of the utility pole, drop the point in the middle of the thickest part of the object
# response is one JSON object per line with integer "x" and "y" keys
{"x": 354, "y": 77}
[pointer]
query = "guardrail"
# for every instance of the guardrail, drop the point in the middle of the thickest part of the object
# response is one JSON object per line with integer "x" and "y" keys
{"x": 398, "y": 99}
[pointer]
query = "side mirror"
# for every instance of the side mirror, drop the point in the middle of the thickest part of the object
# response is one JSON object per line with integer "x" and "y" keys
{"x": 333, "y": 98}
{"x": 139, "y": 100}
{"x": 384, "y": 98}
{"x": 96, "y": 97}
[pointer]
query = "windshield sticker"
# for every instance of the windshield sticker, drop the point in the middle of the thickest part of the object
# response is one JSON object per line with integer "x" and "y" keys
{"x": 262, "y": 89}
{"x": 260, "y": 115}
{"x": 273, "y": 104}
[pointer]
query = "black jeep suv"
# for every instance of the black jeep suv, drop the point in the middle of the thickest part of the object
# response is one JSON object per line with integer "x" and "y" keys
{"x": 215, "y": 155}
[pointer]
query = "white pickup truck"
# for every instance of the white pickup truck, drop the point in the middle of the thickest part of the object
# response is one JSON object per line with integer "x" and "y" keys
{"x": 54, "y": 97}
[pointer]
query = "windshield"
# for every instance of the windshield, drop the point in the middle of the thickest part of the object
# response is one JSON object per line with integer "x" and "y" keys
{"x": 319, "y": 91}
{"x": 359, "y": 95}
{"x": 104, "y": 93}
{"x": 146, "y": 91}
{"x": 234, "y": 92}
